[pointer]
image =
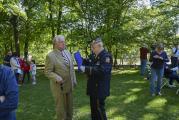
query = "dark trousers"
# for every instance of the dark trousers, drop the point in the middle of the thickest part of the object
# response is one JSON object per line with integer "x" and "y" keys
{"x": 173, "y": 77}
{"x": 174, "y": 61}
{"x": 17, "y": 77}
{"x": 24, "y": 74}
{"x": 97, "y": 108}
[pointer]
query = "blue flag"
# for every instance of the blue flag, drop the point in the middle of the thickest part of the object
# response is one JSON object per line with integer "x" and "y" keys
{"x": 78, "y": 59}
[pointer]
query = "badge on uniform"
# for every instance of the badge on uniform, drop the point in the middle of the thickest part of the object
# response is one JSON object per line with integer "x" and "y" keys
{"x": 98, "y": 63}
{"x": 107, "y": 60}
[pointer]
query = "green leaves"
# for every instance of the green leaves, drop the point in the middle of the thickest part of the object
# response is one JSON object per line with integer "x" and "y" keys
{"x": 118, "y": 22}
{"x": 12, "y": 8}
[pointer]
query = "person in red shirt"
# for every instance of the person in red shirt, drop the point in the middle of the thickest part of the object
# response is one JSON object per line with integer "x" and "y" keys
{"x": 143, "y": 58}
{"x": 26, "y": 70}
{"x": 21, "y": 62}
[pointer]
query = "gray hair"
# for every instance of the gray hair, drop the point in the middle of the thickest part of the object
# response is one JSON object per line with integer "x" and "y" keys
{"x": 98, "y": 41}
{"x": 160, "y": 46}
{"x": 58, "y": 38}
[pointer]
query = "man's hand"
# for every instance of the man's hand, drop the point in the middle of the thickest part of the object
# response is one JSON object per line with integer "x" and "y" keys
{"x": 2, "y": 99}
{"x": 74, "y": 84}
{"x": 59, "y": 80}
{"x": 158, "y": 57}
{"x": 82, "y": 68}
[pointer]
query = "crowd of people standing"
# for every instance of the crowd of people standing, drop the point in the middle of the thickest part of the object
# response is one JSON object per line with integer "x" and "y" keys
{"x": 159, "y": 66}
{"x": 22, "y": 67}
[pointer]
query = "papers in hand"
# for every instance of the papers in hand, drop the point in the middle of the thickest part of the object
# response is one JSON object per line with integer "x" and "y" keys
{"x": 2, "y": 99}
{"x": 19, "y": 71}
{"x": 78, "y": 59}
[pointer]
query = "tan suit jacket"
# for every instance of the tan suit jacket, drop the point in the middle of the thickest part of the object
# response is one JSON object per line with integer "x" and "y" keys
{"x": 56, "y": 67}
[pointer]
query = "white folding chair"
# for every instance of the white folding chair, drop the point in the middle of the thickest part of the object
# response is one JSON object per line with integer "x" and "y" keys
{"x": 164, "y": 82}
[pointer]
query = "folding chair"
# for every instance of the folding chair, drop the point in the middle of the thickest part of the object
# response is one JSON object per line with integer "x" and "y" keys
{"x": 148, "y": 71}
{"x": 177, "y": 91}
{"x": 164, "y": 82}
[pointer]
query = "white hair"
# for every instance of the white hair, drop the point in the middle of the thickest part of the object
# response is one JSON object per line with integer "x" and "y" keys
{"x": 58, "y": 38}
{"x": 98, "y": 42}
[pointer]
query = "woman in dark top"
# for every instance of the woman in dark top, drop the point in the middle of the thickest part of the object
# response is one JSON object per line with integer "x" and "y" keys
{"x": 158, "y": 59}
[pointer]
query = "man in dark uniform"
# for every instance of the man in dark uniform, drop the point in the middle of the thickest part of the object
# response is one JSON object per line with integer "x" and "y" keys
{"x": 98, "y": 68}
{"x": 8, "y": 94}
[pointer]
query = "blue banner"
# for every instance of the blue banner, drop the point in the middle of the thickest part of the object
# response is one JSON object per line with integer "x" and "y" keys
{"x": 78, "y": 59}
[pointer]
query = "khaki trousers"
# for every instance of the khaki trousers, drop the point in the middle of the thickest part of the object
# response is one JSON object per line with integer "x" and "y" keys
{"x": 64, "y": 106}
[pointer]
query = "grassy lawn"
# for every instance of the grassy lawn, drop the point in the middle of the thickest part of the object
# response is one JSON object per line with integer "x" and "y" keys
{"x": 129, "y": 100}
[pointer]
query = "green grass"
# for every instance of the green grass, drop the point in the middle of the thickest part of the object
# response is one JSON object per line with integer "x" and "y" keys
{"x": 129, "y": 100}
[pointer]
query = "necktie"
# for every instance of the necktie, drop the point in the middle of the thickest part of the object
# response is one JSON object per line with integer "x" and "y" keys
{"x": 65, "y": 57}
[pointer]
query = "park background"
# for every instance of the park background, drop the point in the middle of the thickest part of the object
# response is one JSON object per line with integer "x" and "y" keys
{"x": 28, "y": 26}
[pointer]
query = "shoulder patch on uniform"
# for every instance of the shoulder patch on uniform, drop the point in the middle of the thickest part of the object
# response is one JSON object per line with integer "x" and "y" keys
{"x": 107, "y": 60}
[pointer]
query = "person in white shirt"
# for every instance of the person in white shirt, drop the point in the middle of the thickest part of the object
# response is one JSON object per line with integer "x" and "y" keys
{"x": 15, "y": 65}
{"x": 33, "y": 71}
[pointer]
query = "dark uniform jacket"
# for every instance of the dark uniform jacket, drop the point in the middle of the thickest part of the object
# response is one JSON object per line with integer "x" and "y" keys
{"x": 98, "y": 68}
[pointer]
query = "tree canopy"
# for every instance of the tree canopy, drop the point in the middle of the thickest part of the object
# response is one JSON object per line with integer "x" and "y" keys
{"x": 28, "y": 26}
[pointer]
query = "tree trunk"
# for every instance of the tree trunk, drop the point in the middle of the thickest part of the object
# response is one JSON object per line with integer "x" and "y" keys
{"x": 5, "y": 48}
{"x": 27, "y": 35}
{"x": 122, "y": 61}
{"x": 51, "y": 19}
{"x": 11, "y": 45}
{"x": 26, "y": 46}
{"x": 59, "y": 18}
{"x": 115, "y": 57}
{"x": 14, "y": 22}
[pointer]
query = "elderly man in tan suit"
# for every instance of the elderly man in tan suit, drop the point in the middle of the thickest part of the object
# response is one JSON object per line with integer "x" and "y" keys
{"x": 60, "y": 70}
